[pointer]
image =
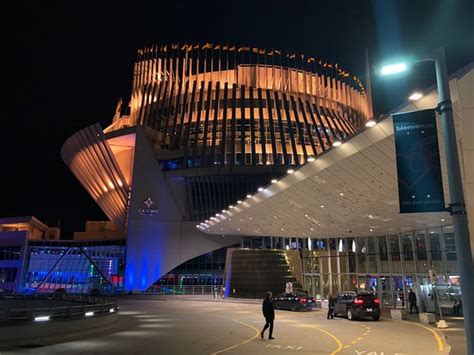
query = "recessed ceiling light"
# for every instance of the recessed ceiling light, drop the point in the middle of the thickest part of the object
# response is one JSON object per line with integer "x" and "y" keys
{"x": 224, "y": 211}
{"x": 231, "y": 206}
{"x": 312, "y": 228}
{"x": 370, "y": 123}
{"x": 341, "y": 194}
{"x": 249, "y": 196}
{"x": 260, "y": 189}
{"x": 415, "y": 96}
{"x": 197, "y": 226}
{"x": 371, "y": 230}
{"x": 275, "y": 217}
{"x": 206, "y": 221}
{"x": 238, "y": 229}
{"x": 290, "y": 171}
{"x": 239, "y": 202}
{"x": 274, "y": 181}
{"x": 442, "y": 219}
{"x": 282, "y": 229}
{"x": 322, "y": 206}
{"x": 250, "y": 218}
{"x": 337, "y": 143}
{"x": 311, "y": 159}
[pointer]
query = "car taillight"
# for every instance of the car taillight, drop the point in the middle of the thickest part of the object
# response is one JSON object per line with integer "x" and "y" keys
{"x": 302, "y": 300}
{"x": 358, "y": 301}
{"x": 377, "y": 301}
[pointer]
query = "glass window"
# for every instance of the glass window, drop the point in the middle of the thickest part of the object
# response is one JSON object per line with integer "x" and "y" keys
{"x": 383, "y": 249}
{"x": 372, "y": 266}
{"x": 435, "y": 246}
{"x": 394, "y": 248}
{"x": 407, "y": 247}
{"x": 420, "y": 246}
{"x": 450, "y": 243}
{"x": 361, "y": 254}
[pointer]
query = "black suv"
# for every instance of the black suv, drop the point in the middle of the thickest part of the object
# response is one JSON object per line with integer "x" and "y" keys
{"x": 357, "y": 305}
{"x": 294, "y": 301}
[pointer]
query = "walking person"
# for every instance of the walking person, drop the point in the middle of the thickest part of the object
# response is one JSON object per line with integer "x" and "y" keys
{"x": 269, "y": 313}
{"x": 412, "y": 300}
{"x": 215, "y": 291}
{"x": 331, "y": 304}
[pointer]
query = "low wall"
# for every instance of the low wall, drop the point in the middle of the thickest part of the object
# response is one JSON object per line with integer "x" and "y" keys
{"x": 12, "y": 334}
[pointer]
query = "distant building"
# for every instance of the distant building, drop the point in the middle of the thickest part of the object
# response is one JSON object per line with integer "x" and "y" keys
{"x": 15, "y": 234}
{"x": 34, "y": 259}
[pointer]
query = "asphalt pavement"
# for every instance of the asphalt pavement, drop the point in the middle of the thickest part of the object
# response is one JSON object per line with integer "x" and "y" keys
{"x": 167, "y": 326}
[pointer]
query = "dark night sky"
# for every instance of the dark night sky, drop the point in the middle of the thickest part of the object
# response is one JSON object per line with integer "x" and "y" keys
{"x": 71, "y": 61}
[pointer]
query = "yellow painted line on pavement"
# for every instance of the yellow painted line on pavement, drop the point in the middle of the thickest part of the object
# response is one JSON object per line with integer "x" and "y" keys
{"x": 435, "y": 334}
{"x": 257, "y": 333}
{"x": 333, "y": 337}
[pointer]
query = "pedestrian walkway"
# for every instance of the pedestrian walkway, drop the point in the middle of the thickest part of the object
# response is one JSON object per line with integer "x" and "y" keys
{"x": 454, "y": 335}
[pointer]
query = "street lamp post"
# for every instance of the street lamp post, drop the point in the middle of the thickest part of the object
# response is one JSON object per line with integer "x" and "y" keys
{"x": 456, "y": 194}
{"x": 457, "y": 207}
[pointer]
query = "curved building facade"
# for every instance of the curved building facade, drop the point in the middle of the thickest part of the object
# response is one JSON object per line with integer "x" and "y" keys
{"x": 205, "y": 125}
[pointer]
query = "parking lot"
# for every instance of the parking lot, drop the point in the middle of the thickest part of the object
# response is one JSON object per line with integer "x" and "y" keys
{"x": 199, "y": 327}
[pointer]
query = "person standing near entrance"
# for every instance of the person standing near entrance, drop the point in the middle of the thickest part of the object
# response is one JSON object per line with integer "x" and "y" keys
{"x": 269, "y": 313}
{"x": 412, "y": 300}
{"x": 331, "y": 304}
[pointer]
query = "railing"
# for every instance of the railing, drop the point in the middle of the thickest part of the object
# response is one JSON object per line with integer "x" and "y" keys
{"x": 91, "y": 306}
{"x": 183, "y": 290}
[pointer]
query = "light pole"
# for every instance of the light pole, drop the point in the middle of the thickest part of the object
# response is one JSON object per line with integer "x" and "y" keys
{"x": 457, "y": 207}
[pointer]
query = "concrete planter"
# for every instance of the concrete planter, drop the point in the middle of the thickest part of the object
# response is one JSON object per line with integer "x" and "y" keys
{"x": 398, "y": 314}
{"x": 427, "y": 318}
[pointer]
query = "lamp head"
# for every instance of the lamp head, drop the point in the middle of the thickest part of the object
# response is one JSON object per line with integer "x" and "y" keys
{"x": 394, "y": 68}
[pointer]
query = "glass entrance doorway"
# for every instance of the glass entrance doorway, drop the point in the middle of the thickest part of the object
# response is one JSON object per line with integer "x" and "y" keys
{"x": 312, "y": 283}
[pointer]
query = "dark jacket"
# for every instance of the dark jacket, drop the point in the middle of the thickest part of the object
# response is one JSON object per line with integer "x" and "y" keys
{"x": 268, "y": 309}
{"x": 412, "y": 297}
{"x": 331, "y": 302}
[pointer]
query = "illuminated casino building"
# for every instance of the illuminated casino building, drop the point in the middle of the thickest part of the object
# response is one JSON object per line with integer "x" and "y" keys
{"x": 205, "y": 125}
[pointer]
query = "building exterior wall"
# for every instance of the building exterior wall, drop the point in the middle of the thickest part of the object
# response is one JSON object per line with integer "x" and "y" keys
{"x": 388, "y": 265}
{"x": 12, "y": 263}
{"x": 463, "y": 87}
{"x": 158, "y": 236}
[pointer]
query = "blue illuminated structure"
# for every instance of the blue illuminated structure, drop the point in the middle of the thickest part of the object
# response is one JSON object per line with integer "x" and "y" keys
{"x": 76, "y": 267}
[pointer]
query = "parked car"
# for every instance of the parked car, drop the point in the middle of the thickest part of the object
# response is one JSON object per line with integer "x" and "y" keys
{"x": 294, "y": 301}
{"x": 357, "y": 305}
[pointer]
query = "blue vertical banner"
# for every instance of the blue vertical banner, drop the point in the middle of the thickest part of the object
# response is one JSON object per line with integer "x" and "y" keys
{"x": 420, "y": 184}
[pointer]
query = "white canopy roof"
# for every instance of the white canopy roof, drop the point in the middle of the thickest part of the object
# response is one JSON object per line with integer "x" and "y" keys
{"x": 350, "y": 190}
